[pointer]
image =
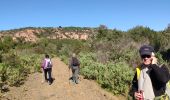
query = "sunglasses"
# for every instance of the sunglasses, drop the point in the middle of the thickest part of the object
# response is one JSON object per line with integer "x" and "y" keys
{"x": 146, "y": 56}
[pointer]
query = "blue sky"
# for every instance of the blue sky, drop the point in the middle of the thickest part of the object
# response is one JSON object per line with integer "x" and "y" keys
{"x": 119, "y": 14}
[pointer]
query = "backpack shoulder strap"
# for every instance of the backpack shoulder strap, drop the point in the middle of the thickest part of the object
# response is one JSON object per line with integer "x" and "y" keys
{"x": 138, "y": 70}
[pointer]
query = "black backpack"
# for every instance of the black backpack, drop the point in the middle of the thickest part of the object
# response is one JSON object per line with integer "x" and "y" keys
{"x": 75, "y": 62}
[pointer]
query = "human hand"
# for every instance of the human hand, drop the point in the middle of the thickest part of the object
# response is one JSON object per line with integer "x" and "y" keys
{"x": 154, "y": 59}
{"x": 42, "y": 70}
{"x": 138, "y": 95}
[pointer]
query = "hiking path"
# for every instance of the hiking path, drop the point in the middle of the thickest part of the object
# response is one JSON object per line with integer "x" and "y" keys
{"x": 60, "y": 89}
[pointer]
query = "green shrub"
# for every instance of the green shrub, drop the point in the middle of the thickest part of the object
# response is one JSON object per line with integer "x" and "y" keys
{"x": 15, "y": 67}
{"x": 115, "y": 77}
{"x": 3, "y": 75}
{"x": 68, "y": 46}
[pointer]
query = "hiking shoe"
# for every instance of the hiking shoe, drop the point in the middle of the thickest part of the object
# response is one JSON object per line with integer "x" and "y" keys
{"x": 77, "y": 82}
{"x": 49, "y": 83}
{"x": 71, "y": 78}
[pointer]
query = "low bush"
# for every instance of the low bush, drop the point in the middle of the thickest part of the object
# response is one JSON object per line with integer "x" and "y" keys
{"x": 115, "y": 77}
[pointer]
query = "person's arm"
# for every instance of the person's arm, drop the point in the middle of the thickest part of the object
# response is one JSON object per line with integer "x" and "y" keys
{"x": 43, "y": 64}
{"x": 161, "y": 73}
{"x": 69, "y": 63}
{"x": 79, "y": 64}
{"x": 135, "y": 84}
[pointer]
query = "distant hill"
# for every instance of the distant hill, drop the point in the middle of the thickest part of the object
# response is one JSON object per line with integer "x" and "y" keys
{"x": 33, "y": 34}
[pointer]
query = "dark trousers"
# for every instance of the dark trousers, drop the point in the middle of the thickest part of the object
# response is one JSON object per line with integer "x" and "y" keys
{"x": 48, "y": 70}
{"x": 75, "y": 71}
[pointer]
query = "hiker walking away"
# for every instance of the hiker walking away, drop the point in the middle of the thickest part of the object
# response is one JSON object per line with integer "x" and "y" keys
{"x": 149, "y": 82}
{"x": 75, "y": 67}
{"x": 47, "y": 69}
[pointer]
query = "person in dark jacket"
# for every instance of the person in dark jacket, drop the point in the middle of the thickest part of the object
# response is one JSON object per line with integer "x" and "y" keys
{"x": 150, "y": 78}
{"x": 74, "y": 65}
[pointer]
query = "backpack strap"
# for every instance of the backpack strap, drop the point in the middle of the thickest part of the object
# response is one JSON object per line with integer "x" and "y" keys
{"x": 138, "y": 70}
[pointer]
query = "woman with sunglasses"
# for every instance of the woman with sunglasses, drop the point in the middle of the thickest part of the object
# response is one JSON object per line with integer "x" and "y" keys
{"x": 149, "y": 82}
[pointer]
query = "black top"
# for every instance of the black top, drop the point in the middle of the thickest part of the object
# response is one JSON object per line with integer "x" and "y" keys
{"x": 159, "y": 77}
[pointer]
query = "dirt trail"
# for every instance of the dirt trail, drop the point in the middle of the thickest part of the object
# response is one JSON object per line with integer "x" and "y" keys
{"x": 61, "y": 89}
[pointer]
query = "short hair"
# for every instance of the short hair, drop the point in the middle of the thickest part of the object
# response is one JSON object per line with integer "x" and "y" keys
{"x": 46, "y": 56}
{"x": 73, "y": 55}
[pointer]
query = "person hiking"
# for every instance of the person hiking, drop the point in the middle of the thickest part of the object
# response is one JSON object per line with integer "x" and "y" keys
{"x": 74, "y": 65}
{"x": 47, "y": 68}
{"x": 149, "y": 82}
